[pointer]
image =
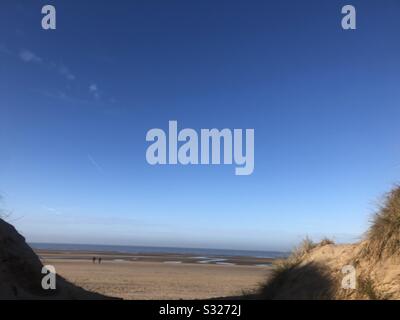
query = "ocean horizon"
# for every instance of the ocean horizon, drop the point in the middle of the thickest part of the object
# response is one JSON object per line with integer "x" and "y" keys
{"x": 162, "y": 250}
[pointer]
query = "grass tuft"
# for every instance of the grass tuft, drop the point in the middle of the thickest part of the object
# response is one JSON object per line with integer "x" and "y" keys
{"x": 300, "y": 251}
{"x": 367, "y": 289}
{"x": 384, "y": 234}
{"x": 326, "y": 241}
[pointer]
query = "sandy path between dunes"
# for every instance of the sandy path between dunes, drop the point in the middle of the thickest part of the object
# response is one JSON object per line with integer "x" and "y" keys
{"x": 158, "y": 280}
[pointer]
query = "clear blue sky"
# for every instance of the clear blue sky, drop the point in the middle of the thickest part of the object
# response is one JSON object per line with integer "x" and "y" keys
{"x": 76, "y": 103}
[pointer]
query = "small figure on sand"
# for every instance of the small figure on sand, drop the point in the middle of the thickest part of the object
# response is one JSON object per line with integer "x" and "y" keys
{"x": 94, "y": 259}
{"x": 99, "y": 260}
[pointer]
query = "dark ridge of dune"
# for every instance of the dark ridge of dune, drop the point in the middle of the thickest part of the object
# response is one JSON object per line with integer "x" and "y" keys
{"x": 21, "y": 272}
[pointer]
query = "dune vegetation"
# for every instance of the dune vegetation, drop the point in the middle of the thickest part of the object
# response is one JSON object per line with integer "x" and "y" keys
{"x": 314, "y": 270}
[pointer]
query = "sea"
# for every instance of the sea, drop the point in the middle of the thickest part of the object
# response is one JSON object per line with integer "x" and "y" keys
{"x": 206, "y": 252}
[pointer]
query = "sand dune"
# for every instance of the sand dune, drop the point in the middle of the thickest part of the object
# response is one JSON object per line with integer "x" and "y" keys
{"x": 20, "y": 272}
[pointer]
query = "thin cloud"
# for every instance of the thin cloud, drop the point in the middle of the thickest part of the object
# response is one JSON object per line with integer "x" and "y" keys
{"x": 94, "y": 90}
{"x": 52, "y": 210}
{"x": 64, "y": 96}
{"x": 29, "y": 57}
{"x": 61, "y": 95}
{"x": 64, "y": 71}
{"x": 95, "y": 164}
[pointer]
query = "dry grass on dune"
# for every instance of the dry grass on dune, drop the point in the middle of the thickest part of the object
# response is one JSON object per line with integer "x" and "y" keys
{"x": 292, "y": 277}
{"x": 301, "y": 251}
{"x": 383, "y": 237}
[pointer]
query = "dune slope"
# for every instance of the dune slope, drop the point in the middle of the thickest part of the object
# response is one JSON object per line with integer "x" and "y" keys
{"x": 20, "y": 272}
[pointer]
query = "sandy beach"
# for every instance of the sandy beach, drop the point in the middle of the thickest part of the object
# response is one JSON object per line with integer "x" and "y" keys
{"x": 161, "y": 276}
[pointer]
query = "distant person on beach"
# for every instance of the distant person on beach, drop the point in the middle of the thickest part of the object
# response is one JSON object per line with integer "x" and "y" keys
{"x": 99, "y": 260}
{"x": 94, "y": 259}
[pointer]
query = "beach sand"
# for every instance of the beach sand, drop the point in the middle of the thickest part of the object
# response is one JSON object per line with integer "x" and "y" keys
{"x": 158, "y": 277}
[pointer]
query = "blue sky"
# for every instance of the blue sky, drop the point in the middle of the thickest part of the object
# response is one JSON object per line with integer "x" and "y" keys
{"x": 76, "y": 104}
